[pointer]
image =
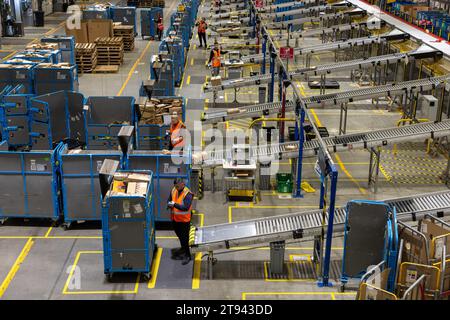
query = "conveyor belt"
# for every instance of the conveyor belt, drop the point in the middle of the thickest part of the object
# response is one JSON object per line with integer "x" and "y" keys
{"x": 374, "y": 92}
{"x": 225, "y": 15}
{"x": 318, "y": 31}
{"x": 257, "y": 110}
{"x": 257, "y": 58}
{"x": 299, "y": 11}
{"x": 307, "y": 224}
{"x": 225, "y": 23}
{"x": 301, "y": 21}
{"x": 361, "y": 140}
{"x": 272, "y": 7}
{"x": 242, "y": 82}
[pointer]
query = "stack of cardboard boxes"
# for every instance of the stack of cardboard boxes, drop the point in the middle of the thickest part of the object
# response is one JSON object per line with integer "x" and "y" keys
{"x": 154, "y": 110}
{"x": 90, "y": 30}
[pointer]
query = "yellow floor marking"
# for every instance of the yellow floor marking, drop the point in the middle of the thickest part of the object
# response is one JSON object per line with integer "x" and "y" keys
{"x": 245, "y": 294}
{"x": 316, "y": 118}
{"x": 348, "y": 174}
{"x": 133, "y": 68}
{"x": 192, "y": 61}
{"x": 197, "y": 260}
{"x": 72, "y": 270}
{"x": 290, "y": 277}
{"x": 384, "y": 172}
{"x": 49, "y": 231}
{"x": 155, "y": 268}
{"x": 188, "y": 81}
{"x": 206, "y": 104}
{"x": 9, "y": 55}
{"x": 16, "y": 266}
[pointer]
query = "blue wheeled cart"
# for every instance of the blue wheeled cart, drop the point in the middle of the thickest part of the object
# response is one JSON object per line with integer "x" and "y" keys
{"x": 30, "y": 184}
{"x": 128, "y": 225}
{"x": 80, "y": 191}
{"x": 148, "y": 18}
{"x": 66, "y": 44}
{"x": 370, "y": 236}
{"x": 125, "y": 15}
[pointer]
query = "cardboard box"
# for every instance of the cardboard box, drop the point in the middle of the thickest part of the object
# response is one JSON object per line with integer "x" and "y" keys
{"x": 216, "y": 81}
{"x": 99, "y": 28}
{"x": 80, "y": 35}
{"x": 413, "y": 10}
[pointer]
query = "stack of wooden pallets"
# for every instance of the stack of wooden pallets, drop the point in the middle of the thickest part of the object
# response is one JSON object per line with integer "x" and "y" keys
{"x": 110, "y": 51}
{"x": 127, "y": 35}
{"x": 86, "y": 57}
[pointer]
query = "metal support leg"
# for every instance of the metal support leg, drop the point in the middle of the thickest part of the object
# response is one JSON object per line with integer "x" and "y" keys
{"x": 210, "y": 264}
{"x": 212, "y": 180}
{"x": 277, "y": 250}
{"x": 343, "y": 118}
{"x": 374, "y": 168}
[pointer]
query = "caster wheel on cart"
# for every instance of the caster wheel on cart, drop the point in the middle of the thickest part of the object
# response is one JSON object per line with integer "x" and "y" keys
{"x": 342, "y": 288}
{"x": 66, "y": 226}
{"x": 109, "y": 276}
{"x": 146, "y": 276}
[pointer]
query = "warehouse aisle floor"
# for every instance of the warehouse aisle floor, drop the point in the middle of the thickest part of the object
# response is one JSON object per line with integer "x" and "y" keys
{"x": 40, "y": 261}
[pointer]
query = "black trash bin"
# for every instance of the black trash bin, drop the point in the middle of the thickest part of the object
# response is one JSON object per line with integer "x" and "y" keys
{"x": 65, "y": 6}
{"x": 38, "y": 18}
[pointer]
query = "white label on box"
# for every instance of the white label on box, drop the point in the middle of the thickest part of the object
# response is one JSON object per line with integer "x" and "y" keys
{"x": 138, "y": 208}
{"x": 41, "y": 167}
{"x": 61, "y": 76}
{"x": 126, "y": 206}
{"x": 99, "y": 165}
{"x": 439, "y": 243}
{"x": 424, "y": 228}
{"x": 20, "y": 75}
{"x": 33, "y": 165}
{"x": 411, "y": 276}
{"x": 127, "y": 215}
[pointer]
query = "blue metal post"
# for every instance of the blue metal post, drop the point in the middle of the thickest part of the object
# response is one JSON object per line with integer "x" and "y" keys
{"x": 272, "y": 72}
{"x": 264, "y": 51}
{"x": 299, "y": 132}
{"x": 327, "y": 258}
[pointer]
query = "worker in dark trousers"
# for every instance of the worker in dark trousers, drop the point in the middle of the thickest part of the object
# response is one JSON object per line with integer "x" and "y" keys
{"x": 201, "y": 31}
{"x": 214, "y": 61}
{"x": 180, "y": 204}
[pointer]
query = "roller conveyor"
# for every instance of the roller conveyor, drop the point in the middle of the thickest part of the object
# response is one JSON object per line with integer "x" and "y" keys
{"x": 258, "y": 58}
{"x": 320, "y": 18}
{"x": 225, "y": 23}
{"x": 213, "y": 117}
{"x": 374, "y": 92}
{"x": 242, "y": 82}
{"x": 361, "y": 140}
{"x": 307, "y": 224}
{"x": 296, "y": 11}
{"x": 285, "y": 5}
{"x": 229, "y": 14}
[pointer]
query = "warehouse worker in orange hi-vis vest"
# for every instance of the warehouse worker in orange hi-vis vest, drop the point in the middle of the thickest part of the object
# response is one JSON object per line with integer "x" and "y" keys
{"x": 214, "y": 59}
{"x": 176, "y": 132}
{"x": 180, "y": 204}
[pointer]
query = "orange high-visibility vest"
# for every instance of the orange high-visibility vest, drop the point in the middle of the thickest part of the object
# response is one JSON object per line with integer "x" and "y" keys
{"x": 202, "y": 27}
{"x": 216, "y": 59}
{"x": 175, "y": 134}
{"x": 177, "y": 197}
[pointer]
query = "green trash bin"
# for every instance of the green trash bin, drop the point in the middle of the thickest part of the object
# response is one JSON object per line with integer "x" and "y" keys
{"x": 284, "y": 183}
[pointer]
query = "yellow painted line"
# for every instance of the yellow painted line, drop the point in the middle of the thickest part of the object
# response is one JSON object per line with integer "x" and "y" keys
{"x": 192, "y": 61}
{"x": 77, "y": 258}
{"x": 9, "y": 55}
{"x": 16, "y": 266}
{"x": 245, "y": 294}
{"x": 188, "y": 81}
{"x": 197, "y": 260}
{"x": 344, "y": 169}
{"x": 206, "y": 104}
{"x": 130, "y": 74}
{"x": 155, "y": 268}
{"x": 49, "y": 231}
{"x": 267, "y": 279}
{"x": 333, "y": 297}
{"x": 385, "y": 174}
{"x": 316, "y": 118}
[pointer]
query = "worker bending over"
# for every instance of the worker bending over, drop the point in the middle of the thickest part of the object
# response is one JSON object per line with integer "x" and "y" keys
{"x": 201, "y": 31}
{"x": 214, "y": 59}
{"x": 176, "y": 132}
{"x": 180, "y": 204}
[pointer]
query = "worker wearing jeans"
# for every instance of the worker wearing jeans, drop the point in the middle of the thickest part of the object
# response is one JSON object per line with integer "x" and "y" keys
{"x": 180, "y": 203}
{"x": 214, "y": 59}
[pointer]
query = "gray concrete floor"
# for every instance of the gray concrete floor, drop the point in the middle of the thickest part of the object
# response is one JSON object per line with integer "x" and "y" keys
{"x": 40, "y": 261}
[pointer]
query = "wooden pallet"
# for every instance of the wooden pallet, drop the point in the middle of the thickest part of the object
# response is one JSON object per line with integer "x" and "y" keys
{"x": 127, "y": 35}
{"x": 106, "y": 69}
{"x": 110, "y": 51}
{"x": 86, "y": 57}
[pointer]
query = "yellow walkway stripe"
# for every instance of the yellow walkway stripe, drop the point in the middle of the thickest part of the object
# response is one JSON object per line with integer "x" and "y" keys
{"x": 197, "y": 260}
{"x": 155, "y": 268}
{"x": 188, "y": 81}
{"x": 316, "y": 118}
{"x": 16, "y": 266}
{"x": 133, "y": 68}
{"x": 245, "y": 294}
{"x": 10, "y": 55}
{"x": 344, "y": 169}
